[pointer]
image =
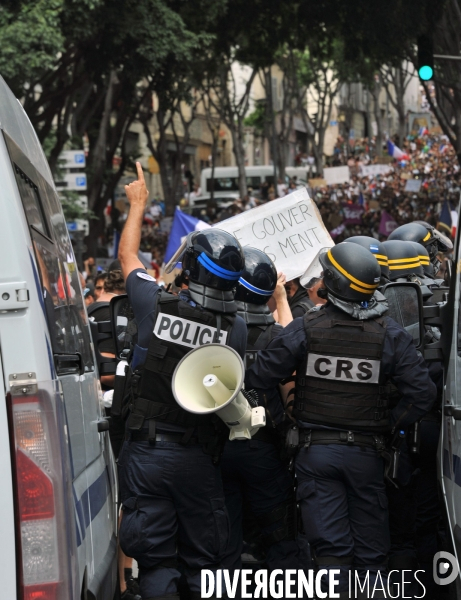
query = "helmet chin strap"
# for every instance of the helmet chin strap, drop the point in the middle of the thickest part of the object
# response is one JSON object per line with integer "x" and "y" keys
{"x": 254, "y": 314}
{"x": 211, "y": 299}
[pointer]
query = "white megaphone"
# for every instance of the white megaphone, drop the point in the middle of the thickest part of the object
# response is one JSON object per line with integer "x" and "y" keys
{"x": 208, "y": 380}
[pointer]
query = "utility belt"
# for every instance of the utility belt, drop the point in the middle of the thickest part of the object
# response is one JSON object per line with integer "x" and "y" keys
{"x": 177, "y": 438}
{"x": 310, "y": 437}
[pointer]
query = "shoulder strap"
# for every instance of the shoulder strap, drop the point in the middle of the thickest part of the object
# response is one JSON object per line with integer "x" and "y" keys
{"x": 95, "y": 306}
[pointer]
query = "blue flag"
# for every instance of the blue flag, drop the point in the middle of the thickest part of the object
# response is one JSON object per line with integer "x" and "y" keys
{"x": 445, "y": 220}
{"x": 182, "y": 225}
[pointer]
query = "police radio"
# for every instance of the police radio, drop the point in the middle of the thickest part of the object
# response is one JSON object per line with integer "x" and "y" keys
{"x": 209, "y": 379}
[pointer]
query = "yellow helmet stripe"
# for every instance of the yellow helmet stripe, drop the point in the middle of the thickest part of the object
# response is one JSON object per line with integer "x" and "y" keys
{"x": 384, "y": 263}
{"x": 427, "y": 236}
{"x": 350, "y": 277}
{"x": 359, "y": 289}
{"x": 383, "y": 256}
{"x": 424, "y": 260}
{"x": 407, "y": 266}
{"x": 403, "y": 260}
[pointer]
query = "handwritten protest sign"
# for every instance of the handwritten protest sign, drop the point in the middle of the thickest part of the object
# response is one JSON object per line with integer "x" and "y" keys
{"x": 290, "y": 230}
{"x": 373, "y": 170}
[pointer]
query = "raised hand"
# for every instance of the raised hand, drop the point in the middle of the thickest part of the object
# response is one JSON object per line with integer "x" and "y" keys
{"x": 136, "y": 191}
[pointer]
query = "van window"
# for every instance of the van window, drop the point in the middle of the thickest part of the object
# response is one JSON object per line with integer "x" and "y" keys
{"x": 231, "y": 184}
{"x": 33, "y": 207}
{"x": 54, "y": 278}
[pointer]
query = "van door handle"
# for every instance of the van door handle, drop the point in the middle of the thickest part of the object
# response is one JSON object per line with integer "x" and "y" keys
{"x": 103, "y": 425}
{"x": 68, "y": 364}
{"x": 452, "y": 411}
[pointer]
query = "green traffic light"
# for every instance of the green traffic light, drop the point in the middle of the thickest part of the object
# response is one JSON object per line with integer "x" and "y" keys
{"x": 426, "y": 72}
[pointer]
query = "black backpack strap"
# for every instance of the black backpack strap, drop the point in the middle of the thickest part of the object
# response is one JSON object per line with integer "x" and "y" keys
{"x": 96, "y": 306}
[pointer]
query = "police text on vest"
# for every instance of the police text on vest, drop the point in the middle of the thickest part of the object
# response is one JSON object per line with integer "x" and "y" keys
{"x": 185, "y": 332}
{"x": 341, "y": 368}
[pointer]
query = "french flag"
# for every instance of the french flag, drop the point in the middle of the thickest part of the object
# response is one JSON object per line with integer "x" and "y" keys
{"x": 183, "y": 224}
{"x": 448, "y": 219}
{"x": 423, "y": 131}
{"x": 395, "y": 151}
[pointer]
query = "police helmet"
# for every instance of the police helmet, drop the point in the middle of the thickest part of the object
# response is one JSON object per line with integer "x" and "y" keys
{"x": 259, "y": 278}
{"x": 424, "y": 259}
{"x": 375, "y": 247}
{"x": 444, "y": 244}
{"x": 415, "y": 232}
{"x": 213, "y": 258}
{"x": 350, "y": 272}
{"x": 403, "y": 259}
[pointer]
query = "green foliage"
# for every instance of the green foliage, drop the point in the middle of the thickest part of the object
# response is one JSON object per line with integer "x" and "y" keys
{"x": 30, "y": 40}
{"x": 257, "y": 118}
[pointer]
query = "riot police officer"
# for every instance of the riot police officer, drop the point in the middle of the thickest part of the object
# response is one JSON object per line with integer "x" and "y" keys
{"x": 424, "y": 234}
{"x": 378, "y": 251}
{"x": 414, "y": 506}
{"x": 171, "y": 487}
{"x": 344, "y": 355}
{"x": 258, "y": 487}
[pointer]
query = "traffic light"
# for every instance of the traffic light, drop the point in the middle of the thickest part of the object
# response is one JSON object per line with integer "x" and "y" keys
{"x": 425, "y": 58}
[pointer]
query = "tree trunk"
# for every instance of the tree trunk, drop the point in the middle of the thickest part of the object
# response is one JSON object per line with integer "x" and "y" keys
{"x": 239, "y": 153}
{"x": 214, "y": 152}
{"x": 402, "y": 127}
{"x": 99, "y": 152}
{"x": 378, "y": 118}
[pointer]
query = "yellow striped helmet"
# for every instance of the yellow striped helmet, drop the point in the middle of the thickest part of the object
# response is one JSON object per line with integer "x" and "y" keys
{"x": 403, "y": 259}
{"x": 414, "y": 232}
{"x": 424, "y": 259}
{"x": 350, "y": 272}
{"x": 375, "y": 247}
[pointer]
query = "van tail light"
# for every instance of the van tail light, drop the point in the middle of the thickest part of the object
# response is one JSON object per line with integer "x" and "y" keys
{"x": 45, "y": 519}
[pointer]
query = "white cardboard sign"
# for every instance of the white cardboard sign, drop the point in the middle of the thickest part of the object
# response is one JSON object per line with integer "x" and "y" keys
{"x": 289, "y": 230}
{"x": 336, "y": 175}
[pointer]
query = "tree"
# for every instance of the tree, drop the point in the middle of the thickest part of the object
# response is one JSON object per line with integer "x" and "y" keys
{"x": 318, "y": 72}
{"x": 91, "y": 67}
{"x": 444, "y": 92}
{"x": 230, "y": 97}
{"x": 396, "y": 81}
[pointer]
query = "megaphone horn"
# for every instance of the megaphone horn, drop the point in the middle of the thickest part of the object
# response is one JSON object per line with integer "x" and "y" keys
{"x": 209, "y": 380}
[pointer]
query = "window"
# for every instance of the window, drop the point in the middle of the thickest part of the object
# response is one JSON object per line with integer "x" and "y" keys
{"x": 33, "y": 206}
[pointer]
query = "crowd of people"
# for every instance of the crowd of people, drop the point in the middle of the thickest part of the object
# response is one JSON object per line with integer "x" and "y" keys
{"x": 397, "y": 192}
{"x": 345, "y": 352}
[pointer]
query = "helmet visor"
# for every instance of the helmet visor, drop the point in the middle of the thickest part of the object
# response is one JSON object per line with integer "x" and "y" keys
{"x": 314, "y": 269}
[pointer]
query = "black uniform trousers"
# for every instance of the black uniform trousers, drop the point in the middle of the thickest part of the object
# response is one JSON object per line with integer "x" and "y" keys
{"x": 173, "y": 508}
{"x": 255, "y": 476}
{"x": 343, "y": 503}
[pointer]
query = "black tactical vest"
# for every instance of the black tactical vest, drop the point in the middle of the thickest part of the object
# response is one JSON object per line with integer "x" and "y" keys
{"x": 178, "y": 328}
{"x": 259, "y": 337}
{"x": 340, "y": 384}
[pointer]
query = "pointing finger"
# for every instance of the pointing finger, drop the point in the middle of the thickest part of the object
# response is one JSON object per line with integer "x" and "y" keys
{"x": 140, "y": 172}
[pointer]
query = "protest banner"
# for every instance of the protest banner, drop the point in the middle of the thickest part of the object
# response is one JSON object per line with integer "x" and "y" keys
{"x": 352, "y": 214}
{"x": 289, "y": 230}
{"x": 413, "y": 185}
{"x": 387, "y": 224}
{"x": 317, "y": 182}
{"x": 335, "y": 175}
{"x": 373, "y": 170}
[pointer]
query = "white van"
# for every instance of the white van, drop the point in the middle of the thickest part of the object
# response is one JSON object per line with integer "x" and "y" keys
{"x": 58, "y": 515}
{"x": 226, "y": 178}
